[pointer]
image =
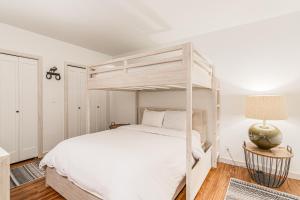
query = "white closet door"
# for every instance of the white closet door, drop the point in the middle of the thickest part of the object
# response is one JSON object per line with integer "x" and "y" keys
{"x": 76, "y": 101}
{"x": 9, "y": 105}
{"x": 28, "y": 103}
{"x": 73, "y": 102}
{"x": 97, "y": 110}
{"x": 82, "y": 104}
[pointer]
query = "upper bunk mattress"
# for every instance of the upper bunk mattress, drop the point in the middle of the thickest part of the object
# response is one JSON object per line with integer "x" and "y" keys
{"x": 131, "y": 162}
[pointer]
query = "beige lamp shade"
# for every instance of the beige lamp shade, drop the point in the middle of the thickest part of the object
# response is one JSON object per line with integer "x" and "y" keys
{"x": 266, "y": 107}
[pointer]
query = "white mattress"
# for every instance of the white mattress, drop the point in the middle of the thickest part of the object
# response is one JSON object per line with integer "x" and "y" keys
{"x": 131, "y": 162}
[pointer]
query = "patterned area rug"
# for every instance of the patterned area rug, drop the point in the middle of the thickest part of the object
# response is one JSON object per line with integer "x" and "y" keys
{"x": 241, "y": 190}
{"x": 25, "y": 173}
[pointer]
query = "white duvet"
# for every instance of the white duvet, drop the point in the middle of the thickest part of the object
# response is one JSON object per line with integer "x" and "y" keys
{"x": 132, "y": 162}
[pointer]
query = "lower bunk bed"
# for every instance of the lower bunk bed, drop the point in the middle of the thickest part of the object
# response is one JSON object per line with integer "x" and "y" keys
{"x": 130, "y": 162}
{"x": 70, "y": 191}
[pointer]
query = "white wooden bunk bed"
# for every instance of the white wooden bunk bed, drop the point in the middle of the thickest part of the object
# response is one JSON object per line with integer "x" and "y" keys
{"x": 179, "y": 67}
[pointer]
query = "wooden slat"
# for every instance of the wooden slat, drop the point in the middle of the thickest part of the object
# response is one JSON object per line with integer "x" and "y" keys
{"x": 176, "y": 86}
{"x": 102, "y": 70}
{"x": 146, "y": 88}
{"x": 156, "y": 62}
{"x": 196, "y": 53}
{"x": 132, "y": 88}
{"x": 197, "y": 64}
{"x": 201, "y": 77}
{"x": 157, "y": 87}
{"x": 124, "y": 89}
{"x": 139, "y": 88}
{"x": 202, "y": 63}
{"x": 155, "y": 77}
{"x": 140, "y": 55}
{"x": 135, "y": 65}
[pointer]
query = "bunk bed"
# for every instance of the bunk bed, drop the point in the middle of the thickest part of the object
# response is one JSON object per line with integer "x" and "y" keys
{"x": 178, "y": 67}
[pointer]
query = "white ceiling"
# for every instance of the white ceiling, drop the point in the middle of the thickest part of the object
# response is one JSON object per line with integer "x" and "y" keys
{"x": 118, "y": 26}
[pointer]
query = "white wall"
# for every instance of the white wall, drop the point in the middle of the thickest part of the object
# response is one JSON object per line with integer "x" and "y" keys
{"x": 54, "y": 53}
{"x": 259, "y": 58}
{"x": 122, "y": 107}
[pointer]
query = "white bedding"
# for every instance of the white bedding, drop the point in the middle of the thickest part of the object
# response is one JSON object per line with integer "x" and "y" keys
{"x": 133, "y": 162}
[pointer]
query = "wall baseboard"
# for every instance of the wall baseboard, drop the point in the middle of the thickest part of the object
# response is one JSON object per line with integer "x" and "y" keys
{"x": 291, "y": 175}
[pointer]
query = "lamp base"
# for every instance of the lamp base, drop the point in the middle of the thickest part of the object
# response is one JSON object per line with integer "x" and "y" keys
{"x": 265, "y": 136}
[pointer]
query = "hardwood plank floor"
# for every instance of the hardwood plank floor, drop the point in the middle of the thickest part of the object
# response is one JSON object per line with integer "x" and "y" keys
{"x": 216, "y": 183}
{"x": 214, "y": 187}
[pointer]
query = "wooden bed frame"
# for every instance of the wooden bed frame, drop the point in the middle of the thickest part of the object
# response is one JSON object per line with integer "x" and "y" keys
{"x": 69, "y": 190}
{"x": 177, "y": 67}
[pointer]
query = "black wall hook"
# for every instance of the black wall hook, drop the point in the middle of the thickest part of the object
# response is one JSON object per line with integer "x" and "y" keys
{"x": 52, "y": 72}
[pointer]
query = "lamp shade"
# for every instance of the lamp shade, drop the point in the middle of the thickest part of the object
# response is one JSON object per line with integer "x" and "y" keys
{"x": 266, "y": 107}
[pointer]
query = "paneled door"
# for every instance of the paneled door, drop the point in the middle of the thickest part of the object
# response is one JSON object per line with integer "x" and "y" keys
{"x": 82, "y": 100}
{"x": 76, "y": 100}
{"x": 9, "y": 116}
{"x": 28, "y": 108}
{"x": 19, "y": 107}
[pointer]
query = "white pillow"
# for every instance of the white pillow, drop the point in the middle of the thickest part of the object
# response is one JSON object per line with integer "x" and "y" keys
{"x": 153, "y": 118}
{"x": 175, "y": 120}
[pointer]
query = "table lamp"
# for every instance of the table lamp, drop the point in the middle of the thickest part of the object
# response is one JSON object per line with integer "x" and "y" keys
{"x": 271, "y": 107}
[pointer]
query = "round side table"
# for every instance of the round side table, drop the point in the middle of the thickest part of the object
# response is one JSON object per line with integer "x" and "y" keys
{"x": 268, "y": 167}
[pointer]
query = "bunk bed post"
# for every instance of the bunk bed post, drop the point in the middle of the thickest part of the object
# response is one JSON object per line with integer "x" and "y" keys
{"x": 137, "y": 103}
{"x": 216, "y": 119}
{"x": 187, "y": 60}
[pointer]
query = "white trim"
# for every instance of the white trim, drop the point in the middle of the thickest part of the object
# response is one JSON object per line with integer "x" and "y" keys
{"x": 291, "y": 175}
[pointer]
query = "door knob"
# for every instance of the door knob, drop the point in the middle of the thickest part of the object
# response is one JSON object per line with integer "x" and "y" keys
{"x": 98, "y": 106}
{"x": 79, "y": 108}
{"x": 17, "y": 111}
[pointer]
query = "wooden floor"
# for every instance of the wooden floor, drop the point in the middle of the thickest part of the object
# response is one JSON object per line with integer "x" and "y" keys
{"x": 216, "y": 183}
{"x": 214, "y": 187}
